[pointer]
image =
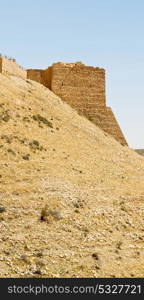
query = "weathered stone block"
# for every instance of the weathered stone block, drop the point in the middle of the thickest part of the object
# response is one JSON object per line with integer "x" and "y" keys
{"x": 9, "y": 66}
{"x": 83, "y": 88}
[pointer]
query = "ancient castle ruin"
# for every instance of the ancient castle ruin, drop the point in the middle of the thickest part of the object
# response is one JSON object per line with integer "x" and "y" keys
{"x": 9, "y": 66}
{"x": 80, "y": 86}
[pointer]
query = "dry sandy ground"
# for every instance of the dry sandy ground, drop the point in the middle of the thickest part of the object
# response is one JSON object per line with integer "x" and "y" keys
{"x": 140, "y": 151}
{"x": 71, "y": 197}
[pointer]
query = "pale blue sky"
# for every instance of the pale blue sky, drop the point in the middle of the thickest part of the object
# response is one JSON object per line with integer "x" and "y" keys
{"x": 105, "y": 33}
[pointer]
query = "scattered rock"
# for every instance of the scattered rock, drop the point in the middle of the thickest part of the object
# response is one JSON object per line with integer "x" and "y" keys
{"x": 6, "y": 138}
{"x": 46, "y": 213}
{"x": 26, "y": 156}
{"x": 15, "y": 193}
{"x": 11, "y": 151}
{"x": 37, "y": 271}
{"x": 25, "y": 258}
{"x": 35, "y": 145}
{"x": 119, "y": 244}
{"x": 26, "y": 119}
{"x": 7, "y": 252}
{"x": 40, "y": 263}
{"x": 95, "y": 256}
{"x": 97, "y": 267}
{"x": 39, "y": 254}
{"x": 5, "y": 116}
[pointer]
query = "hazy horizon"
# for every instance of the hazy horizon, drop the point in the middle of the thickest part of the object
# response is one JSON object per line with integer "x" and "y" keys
{"x": 108, "y": 34}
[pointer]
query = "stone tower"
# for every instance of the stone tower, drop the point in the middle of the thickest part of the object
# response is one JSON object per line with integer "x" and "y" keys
{"x": 83, "y": 88}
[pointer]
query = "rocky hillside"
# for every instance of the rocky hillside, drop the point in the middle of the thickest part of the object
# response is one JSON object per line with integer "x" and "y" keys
{"x": 71, "y": 197}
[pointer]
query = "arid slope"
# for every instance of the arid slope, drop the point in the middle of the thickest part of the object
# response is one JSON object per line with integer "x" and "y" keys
{"x": 71, "y": 197}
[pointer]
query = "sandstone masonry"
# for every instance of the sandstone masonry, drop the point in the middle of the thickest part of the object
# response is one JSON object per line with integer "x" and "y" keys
{"x": 83, "y": 88}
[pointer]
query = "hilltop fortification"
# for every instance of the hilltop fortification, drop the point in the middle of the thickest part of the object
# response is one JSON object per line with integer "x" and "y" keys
{"x": 82, "y": 87}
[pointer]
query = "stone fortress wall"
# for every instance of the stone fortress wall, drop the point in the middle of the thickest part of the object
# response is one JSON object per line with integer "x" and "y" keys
{"x": 9, "y": 66}
{"x": 81, "y": 86}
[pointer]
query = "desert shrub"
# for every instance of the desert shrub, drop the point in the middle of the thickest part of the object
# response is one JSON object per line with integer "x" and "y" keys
{"x": 39, "y": 118}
